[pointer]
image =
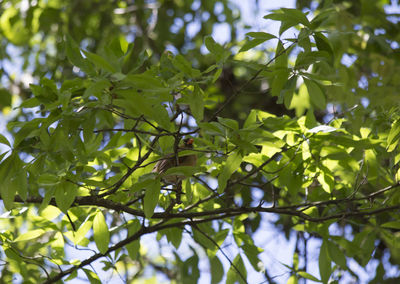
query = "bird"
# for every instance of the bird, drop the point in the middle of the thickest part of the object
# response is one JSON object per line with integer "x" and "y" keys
{"x": 170, "y": 161}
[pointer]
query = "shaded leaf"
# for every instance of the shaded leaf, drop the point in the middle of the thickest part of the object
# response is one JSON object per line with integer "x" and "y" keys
{"x": 324, "y": 263}
{"x": 3, "y": 140}
{"x": 65, "y": 194}
{"x": 237, "y": 272}
{"x": 308, "y": 276}
{"x": 232, "y": 164}
{"x": 196, "y": 103}
{"x": 317, "y": 97}
{"x": 151, "y": 197}
{"x": 133, "y": 247}
{"x": 336, "y": 254}
{"x": 217, "y": 270}
{"x": 92, "y": 277}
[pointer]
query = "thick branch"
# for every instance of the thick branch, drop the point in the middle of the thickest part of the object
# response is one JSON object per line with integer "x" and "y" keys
{"x": 292, "y": 210}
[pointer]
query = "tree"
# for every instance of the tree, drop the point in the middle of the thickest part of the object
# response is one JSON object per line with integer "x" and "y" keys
{"x": 303, "y": 124}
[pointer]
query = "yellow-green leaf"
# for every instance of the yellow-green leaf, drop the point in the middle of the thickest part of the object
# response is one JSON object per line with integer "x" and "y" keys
{"x": 101, "y": 233}
{"x": 30, "y": 235}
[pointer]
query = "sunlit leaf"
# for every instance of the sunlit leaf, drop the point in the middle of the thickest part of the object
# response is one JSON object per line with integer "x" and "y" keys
{"x": 101, "y": 233}
{"x": 30, "y": 235}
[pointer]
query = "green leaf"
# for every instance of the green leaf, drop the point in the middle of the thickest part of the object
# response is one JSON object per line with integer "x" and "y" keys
{"x": 218, "y": 238}
{"x": 65, "y": 195}
{"x": 324, "y": 263}
{"x": 75, "y": 57}
{"x": 281, "y": 61}
{"x": 229, "y": 123}
{"x": 217, "y": 270}
{"x": 97, "y": 89}
{"x": 317, "y": 97}
{"x": 21, "y": 182}
{"x": 57, "y": 246}
{"x": 251, "y": 120}
{"x": 186, "y": 171}
{"x": 48, "y": 179}
{"x": 293, "y": 280}
{"x": 49, "y": 193}
{"x": 296, "y": 15}
{"x": 326, "y": 180}
{"x": 92, "y": 277}
{"x": 27, "y": 131}
{"x": 237, "y": 272}
{"x": 252, "y": 252}
{"x": 288, "y": 18}
{"x": 216, "y": 75}
{"x": 212, "y": 128}
{"x": 217, "y": 50}
{"x": 3, "y": 140}
{"x": 308, "y": 276}
{"x": 8, "y": 191}
{"x": 29, "y": 103}
{"x": 30, "y": 235}
{"x": 336, "y": 254}
{"x": 13, "y": 26}
{"x": 249, "y": 44}
{"x": 281, "y": 76}
{"x": 114, "y": 47}
{"x": 324, "y": 44}
{"x": 211, "y": 68}
{"x": 196, "y": 103}
{"x": 151, "y": 197}
{"x": 204, "y": 235}
{"x": 174, "y": 236}
{"x": 50, "y": 213}
{"x": 5, "y": 98}
{"x": 288, "y": 92}
{"x": 393, "y": 137}
{"x": 139, "y": 104}
{"x": 261, "y": 35}
{"x": 9, "y": 179}
{"x": 100, "y": 62}
{"x": 133, "y": 247}
{"x": 83, "y": 230}
{"x": 101, "y": 233}
{"x": 185, "y": 66}
{"x": 322, "y": 17}
{"x": 145, "y": 81}
{"x": 12, "y": 254}
{"x": 392, "y": 225}
{"x": 232, "y": 164}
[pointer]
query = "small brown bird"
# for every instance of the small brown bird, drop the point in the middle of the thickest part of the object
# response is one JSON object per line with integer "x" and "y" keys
{"x": 170, "y": 161}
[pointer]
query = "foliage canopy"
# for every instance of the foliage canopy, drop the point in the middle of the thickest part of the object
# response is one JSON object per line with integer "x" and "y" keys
{"x": 303, "y": 125}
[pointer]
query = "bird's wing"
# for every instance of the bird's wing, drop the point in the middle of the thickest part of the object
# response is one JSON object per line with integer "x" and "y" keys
{"x": 162, "y": 165}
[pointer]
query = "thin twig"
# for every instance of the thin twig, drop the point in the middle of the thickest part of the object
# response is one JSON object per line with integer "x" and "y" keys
{"x": 222, "y": 251}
